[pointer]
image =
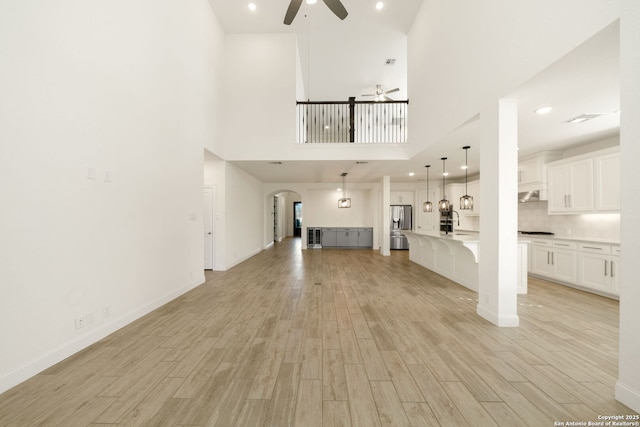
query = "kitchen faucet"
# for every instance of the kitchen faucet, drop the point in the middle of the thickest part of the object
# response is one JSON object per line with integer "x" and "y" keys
{"x": 456, "y": 212}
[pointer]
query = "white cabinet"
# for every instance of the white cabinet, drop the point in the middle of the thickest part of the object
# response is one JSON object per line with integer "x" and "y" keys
{"x": 607, "y": 182}
{"x": 571, "y": 187}
{"x": 585, "y": 184}
{"x": 553, "y": 259}
{"x": 598, "y": 267}
{"x": 427, "y": 221}
{"x": 540, "y": 257}
{"x": 532, "y": 173}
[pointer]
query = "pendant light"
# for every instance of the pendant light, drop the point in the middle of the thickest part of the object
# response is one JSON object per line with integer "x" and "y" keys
{"x": 344, "y": 202}
{"x": 466, "y": 201}
{"x": 427, "y": 206}
{"x": 443, "y": 205}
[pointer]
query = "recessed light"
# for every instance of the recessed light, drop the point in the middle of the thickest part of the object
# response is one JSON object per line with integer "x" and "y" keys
{"x": 275, "y": 163}
{"x": 252, "y": 7}
{"x": 411, "y": 173}
{"x": 379, "y": 5}
{"x": 312, "y": 1}
{"x": 616, "y": 112}
{"x": 445, "y": 174}
{"x": 543, "y": 110}
{"x": 463, "y": 167}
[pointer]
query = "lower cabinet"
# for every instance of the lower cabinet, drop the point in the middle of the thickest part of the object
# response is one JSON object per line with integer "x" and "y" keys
{"x": 598, "y": 267}
{"x": 553, "y": 259}
{"x": 592, "y": 266}
{"x": 347, "y": 237}
{"x": 329, "y": 237}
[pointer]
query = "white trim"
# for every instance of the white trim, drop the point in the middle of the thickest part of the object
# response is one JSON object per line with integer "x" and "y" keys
{"x": 502, "y": 320}
{"x": 628, "y": 396}
{"x": 50, "y": 358}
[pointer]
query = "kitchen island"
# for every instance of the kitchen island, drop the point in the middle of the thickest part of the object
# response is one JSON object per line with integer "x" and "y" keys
{"x": 456, "y": 256}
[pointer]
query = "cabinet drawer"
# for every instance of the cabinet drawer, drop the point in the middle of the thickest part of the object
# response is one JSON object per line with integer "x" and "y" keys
{"x": 595, "y": 248}
{"x": 541, "y": 242}
{"x": 564, "y": 244}
{"x": 615, "y": 250}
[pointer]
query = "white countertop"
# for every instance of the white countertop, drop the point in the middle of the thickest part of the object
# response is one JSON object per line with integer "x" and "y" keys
{"x": 576, "y": 239}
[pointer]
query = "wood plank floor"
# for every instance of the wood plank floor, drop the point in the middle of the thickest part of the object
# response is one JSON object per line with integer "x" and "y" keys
{"x": 336, "y": 338}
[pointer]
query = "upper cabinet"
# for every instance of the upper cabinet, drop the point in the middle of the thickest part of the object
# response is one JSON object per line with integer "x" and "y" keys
{"x": 532, "y": 172}
{"x": 587, "y": 183}
{"x": 606, "y": 169}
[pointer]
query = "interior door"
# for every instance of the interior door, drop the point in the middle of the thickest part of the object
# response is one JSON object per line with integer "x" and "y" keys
{"x": 297, "y": 219}
{"x": 208, "y": 228}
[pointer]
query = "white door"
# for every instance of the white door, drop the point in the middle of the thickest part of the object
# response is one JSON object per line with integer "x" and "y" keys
{"x": 208, "y": 228}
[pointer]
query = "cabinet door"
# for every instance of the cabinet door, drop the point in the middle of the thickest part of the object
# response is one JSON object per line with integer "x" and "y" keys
{"x": 540, "y": 260}
{"x": 529, "y": 171}
{"x": 607, "y": 182}
{"x": 329, "y": 237}
{"x": 564, "y": 265}
{"x": 558, "y": 177}
{"x": 581, "y": 186}
{"x": 365, "y": 237}
{"x": 593, "y": 271}
{"x": 347, "y": 237}
{"x": 614, "y": 268}
{"x": 427, "y": 221}
{"x": 571, "y": 187}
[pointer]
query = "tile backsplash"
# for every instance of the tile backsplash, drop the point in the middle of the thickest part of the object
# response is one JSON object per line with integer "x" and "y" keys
{"x": 533, "y": 216}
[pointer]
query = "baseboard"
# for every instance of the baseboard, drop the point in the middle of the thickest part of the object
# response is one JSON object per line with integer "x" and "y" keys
{"x": 502, "y": 320}
{"x": 628, "y": 396}
{"x": 243, "y": 259}
{"x": 50, "y": 358}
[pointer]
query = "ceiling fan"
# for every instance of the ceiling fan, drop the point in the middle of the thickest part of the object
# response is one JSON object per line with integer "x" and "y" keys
{"x": 335, "y": 5}
{"x": 381, "y": 95}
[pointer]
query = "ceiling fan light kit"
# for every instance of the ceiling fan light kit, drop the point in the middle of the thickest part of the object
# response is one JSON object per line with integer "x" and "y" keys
{"x": 335, "y": 6}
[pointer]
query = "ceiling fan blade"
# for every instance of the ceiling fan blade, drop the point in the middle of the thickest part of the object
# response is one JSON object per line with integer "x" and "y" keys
{"x": 392, "y": 90}
{"x": 337, "y": 8}
{"x": 292, "y": 11}
{"x": 368, "y": 94}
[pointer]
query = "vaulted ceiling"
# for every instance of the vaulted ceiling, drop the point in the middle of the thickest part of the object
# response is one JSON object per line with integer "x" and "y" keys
{"x": 347, "y": 58}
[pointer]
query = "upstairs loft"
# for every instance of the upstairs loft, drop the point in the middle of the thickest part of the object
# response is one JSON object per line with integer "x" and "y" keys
{"x": 362, "y": 122}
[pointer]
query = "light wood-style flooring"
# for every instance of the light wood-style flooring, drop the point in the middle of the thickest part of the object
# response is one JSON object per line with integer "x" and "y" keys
{"x": 336, "y": 338}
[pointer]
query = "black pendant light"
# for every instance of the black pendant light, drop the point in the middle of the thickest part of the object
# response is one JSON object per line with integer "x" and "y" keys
{"x": 443, "y": 205}
{"x": 427, "y": 206}
{"x": 466, "y": 201}
{"x": 344, "y": 202}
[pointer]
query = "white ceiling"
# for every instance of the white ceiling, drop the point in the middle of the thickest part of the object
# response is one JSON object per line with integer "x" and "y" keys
{"x": 347, "y": 59}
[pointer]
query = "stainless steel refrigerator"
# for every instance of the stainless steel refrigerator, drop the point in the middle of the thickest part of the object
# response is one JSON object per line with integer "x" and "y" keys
{"x": 400, "y": 220}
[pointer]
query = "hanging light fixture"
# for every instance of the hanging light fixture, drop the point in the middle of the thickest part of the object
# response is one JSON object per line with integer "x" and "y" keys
{"x": 466, "y": 201}
{"x": 344, "y": 202}
{"x": 427, "y": 206}
{"x": 443, "y": 205}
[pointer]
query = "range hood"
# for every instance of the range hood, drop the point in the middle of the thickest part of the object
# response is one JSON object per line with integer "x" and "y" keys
{"x": 529, "y": 196}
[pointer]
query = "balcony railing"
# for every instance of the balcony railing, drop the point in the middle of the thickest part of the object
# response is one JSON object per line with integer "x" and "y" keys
{"x": 363, "y": 122}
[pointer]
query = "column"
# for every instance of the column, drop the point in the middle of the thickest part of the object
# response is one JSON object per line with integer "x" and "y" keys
{"x": 628, "y": 384}
{"x": 386, "y": 216}
{"x": 498, "y": 274}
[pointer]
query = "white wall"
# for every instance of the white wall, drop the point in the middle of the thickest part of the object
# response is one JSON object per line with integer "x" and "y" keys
{"x": 92, "y": 88}
{"x": 321, "y": 209}
{"x": 465, "y": 53}
{"x": 244, "y": 212}
{"x": 260, "y": 93}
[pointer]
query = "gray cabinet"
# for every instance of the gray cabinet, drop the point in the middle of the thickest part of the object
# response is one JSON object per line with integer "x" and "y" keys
{"x": 329, "y": 237}
{"x": 365, "y": 237}
{"x": 347, "y": 237}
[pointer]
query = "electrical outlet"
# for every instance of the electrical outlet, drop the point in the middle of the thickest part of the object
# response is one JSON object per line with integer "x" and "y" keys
{"x": 80, "y": 322}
